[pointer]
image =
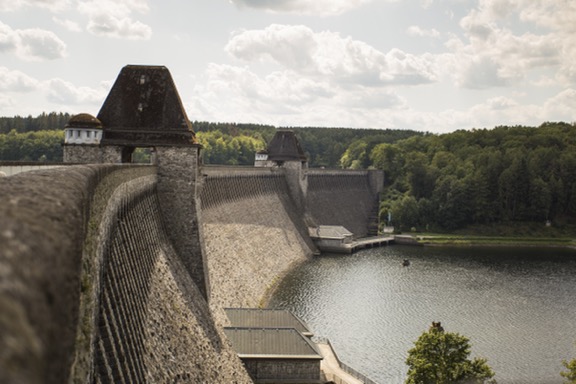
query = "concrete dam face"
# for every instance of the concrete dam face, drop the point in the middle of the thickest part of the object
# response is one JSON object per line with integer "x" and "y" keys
{"x": 118, "y": 273}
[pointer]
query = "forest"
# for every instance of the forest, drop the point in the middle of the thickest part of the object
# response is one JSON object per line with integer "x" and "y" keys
{"x": 434, "y": 182}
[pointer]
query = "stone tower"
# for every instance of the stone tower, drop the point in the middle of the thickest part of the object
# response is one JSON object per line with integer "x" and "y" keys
{"x": 144, "y": 110}
{"x": 284, "y": 151}
{"x": 82, "y": 135}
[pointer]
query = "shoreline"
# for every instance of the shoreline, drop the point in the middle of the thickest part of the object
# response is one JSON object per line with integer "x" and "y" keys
{"x": 492, "y": 241}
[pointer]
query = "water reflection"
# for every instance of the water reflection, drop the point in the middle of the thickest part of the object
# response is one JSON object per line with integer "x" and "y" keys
{"x": 516, "y": 306}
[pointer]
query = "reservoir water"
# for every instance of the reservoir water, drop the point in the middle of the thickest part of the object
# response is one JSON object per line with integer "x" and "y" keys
{"x": 516, "y": 305}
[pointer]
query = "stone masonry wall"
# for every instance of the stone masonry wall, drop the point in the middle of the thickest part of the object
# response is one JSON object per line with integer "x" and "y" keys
{"x": 91, "y": 289}
{"x": 43, "y": 219}
{"x": 346, "y": 198}
{"x": 252, "y": 235}
{"x": 154, "y": 325}
{"x": 178, "y": 184}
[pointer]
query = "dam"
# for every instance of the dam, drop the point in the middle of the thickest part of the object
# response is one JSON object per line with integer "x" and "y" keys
{"x": 112, "y": 272}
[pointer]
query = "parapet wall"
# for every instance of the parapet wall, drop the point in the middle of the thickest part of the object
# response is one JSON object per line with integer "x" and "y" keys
{"x": 44, "y": 216}
{"x": 91, "y": 290}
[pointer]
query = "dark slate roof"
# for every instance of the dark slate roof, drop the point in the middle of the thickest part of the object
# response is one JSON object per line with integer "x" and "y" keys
{"x": 143, "y": 108}
{"x": 269, "y": 343}
{"x": 266, "y": 318}
{"x": 284, "y": 146}
{"x": 83, "y": 120}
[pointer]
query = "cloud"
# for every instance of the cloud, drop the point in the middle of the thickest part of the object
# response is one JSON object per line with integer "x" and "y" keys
{"x": 285, "y": 97}
{"x": 113, "y": 18}
{"x": 504, "y": 57}
{"x": 31, "y": 44}
{"x": 18, "y": 88}
{"x": 68, "y": 24}
{"x": 307, "y": 7}
{"x": 16, "y": 81}
{"x": 52, "y": 5}
{"x": 560, "y": 107}
{"x": 63, "y": 92}
{"x": 415, "y": 30}
{"x": 328, "y": 55}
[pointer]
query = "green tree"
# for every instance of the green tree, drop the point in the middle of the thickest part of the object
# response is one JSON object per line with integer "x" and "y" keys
{"x": 570, "y": 375}
{"x": 388, "y": 158}
{"x": 440, "y": 357}
{"x": 404, "y": 213}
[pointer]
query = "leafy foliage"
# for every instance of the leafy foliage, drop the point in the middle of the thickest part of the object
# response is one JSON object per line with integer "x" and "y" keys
{"x": 32, "y": 146}
{"x": 478, "y": 177}
{"x": 440, "y": 357}
{"x": 43, "y": 122}
{"x": 570, "y": 374}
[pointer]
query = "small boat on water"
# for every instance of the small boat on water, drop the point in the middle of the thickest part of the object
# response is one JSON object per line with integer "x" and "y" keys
{"x": 406, "y": 263}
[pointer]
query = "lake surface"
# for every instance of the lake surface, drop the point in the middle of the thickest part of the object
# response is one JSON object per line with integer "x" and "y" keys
{"x": 516, "y": 305}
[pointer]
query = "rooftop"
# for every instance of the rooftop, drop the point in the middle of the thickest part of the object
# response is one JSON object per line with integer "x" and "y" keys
{"x": 144, "y": 108}
{"x": 83, "y": 120}
{"x": 329, "y": 232}
{"x": 284, "y": 146}
{"x": 266, "y": 318}
{"x": 270, "y": 343}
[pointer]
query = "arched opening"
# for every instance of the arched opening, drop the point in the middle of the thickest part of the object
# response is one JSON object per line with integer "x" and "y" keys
{"x": 138, "y": 155}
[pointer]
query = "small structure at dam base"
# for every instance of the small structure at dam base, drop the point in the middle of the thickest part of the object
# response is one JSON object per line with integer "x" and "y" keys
{"x": 274, "y": 345}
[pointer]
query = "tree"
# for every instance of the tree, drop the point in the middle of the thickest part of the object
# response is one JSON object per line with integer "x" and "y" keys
{"x": 440, "y": 357}
{"x": 404, "y": 213}
{"x": 570, "y": 375}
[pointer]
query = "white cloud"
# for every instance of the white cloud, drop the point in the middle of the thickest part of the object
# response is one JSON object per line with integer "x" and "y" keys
{"x": 31, "y": 44}
{"x": 415, "y": 30}
{"x": 63, "y": 92}
{"x": 68, "y": 24}
{"x": 16, "y": 81}
{"x": 52, "y": 5}
{"x": 307, "y": 7}
{"x": 328, "y": 55}
{"x": 561, "y": 107}
{"x": 114, "y": 18}
{"x": 18, "y": 88}
{"x": 229, "y": 93}
{"x": 494, "y": 55}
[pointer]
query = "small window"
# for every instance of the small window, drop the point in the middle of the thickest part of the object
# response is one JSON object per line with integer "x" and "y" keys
{"x": 89, "y": 134}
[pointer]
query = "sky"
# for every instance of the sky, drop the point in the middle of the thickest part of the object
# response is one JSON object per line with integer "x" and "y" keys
{"x": 426, "y": 65}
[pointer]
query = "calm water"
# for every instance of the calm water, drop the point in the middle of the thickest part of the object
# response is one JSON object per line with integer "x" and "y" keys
{"x": 517, "y": 306}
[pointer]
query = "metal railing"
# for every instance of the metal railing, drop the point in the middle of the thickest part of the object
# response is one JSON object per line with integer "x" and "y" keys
{"x": 345, "y": 367}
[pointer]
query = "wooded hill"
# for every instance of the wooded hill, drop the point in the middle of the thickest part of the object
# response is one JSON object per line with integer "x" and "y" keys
{"x": 433, "y": 181}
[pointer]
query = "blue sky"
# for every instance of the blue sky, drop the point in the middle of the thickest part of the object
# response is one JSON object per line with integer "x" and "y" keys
{"x": 428, "y": 65}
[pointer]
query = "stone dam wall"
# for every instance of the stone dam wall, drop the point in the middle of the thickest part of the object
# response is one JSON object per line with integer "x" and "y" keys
{"x": 253, "y": 233}
{"x": 346, "y": 198}
{"x": 93, "y": 290}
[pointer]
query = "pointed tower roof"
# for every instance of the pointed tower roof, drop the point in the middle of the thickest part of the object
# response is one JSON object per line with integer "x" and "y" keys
{"x": 143, "y": 108}
{"x": 284, "y": 146}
